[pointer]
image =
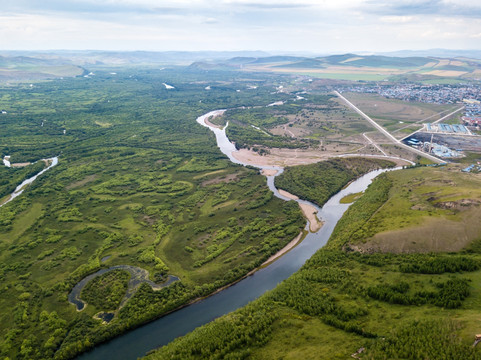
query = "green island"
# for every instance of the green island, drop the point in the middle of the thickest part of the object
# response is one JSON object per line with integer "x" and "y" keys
{"x": 318, "y": 182}
{"x": 364, "y": 290}
{"x": 106, "y": 291}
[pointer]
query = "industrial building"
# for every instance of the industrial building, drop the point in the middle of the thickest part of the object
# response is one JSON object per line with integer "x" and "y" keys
{"x": 454, "y": 129}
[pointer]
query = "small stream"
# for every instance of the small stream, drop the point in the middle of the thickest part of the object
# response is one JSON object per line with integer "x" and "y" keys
{"x": 138, "y": 342}
{"x": 20, "y": 188}
{"x": 137, "y": 276}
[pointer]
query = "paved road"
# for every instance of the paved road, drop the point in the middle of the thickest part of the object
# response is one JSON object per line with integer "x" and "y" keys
{"x": 387, "y": 134}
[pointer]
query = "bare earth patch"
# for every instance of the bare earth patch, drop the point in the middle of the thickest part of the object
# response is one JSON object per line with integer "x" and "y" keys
{"x": 82, "y": 182}
{"x": 20, "y": 164}
{"x": 280, "y": 157}
{"x": 223, "y": 179}
{"x": 269, "y": 172}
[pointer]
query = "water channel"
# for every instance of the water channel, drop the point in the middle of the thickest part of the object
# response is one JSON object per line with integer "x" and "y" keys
{"x": 20, "y": 188}
{"x": 138, "y": 342}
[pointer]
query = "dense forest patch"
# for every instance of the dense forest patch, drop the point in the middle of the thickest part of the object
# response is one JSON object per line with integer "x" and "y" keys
{"x": 318, "y": 182}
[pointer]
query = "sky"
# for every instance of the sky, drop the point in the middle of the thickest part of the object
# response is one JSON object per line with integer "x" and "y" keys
{"x": 317, "y": 26}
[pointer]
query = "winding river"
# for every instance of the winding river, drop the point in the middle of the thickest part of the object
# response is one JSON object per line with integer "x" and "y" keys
{"x": 20, "y": 188}
{"x": 138, "y": 342}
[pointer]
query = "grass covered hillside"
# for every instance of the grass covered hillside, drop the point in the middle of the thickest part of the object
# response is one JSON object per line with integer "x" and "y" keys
{"x": 394, "y": 304}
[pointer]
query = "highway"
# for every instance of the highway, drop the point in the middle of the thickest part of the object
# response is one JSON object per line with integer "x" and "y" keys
{"x": 387, "y": 134}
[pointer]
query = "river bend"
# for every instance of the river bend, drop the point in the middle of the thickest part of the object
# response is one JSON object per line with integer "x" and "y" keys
{"x": 138, "y": 342}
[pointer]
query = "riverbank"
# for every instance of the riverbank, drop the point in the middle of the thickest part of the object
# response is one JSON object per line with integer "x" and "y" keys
{"x": 281, "y": 252}
{"x": 212, "y": 124}
{"x": 212, "y": 115}
{"x": 309, "y": 211}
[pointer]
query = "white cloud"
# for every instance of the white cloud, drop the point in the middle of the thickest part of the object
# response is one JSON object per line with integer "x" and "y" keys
{"x": 313, "y": 25}
{"x": 397, "y": 19}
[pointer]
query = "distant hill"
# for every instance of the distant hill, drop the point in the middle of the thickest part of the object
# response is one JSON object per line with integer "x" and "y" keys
{"x": 364, "y": 67}
{"x": 420, "y": 65}
{"x": 100, "y": 57}
{"x": 441, "y": 53}
{"x": 32, "y": 68}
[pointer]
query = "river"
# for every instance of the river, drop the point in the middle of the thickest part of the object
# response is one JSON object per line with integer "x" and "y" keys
{"x": 138, "y": 342}
{"x": 20, "y": 188}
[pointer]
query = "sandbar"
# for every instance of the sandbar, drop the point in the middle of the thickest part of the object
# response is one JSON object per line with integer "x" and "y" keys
{"x": 269, "y": 172}
{"x": 310, "y": 213}
{"x": 288, "y": 194}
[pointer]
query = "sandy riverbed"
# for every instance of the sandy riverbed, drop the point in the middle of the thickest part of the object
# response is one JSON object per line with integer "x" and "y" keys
{"x": 309, "y": 211}
{"x": 279, "y": 157}
{"x": 288, "y": 194}
{"x": 269, "y": 172}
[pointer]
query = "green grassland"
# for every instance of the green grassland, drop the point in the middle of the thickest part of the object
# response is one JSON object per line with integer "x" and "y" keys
{"x": 396, "y": 306}
{"x": 150, "y": 190}
{"x": 435, "y": 209}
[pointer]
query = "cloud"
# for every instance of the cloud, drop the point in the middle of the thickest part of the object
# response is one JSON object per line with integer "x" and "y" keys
{"x": 397, "y": 19}
{"x": 315, "y": 25}
{"x": 423, "y": 7}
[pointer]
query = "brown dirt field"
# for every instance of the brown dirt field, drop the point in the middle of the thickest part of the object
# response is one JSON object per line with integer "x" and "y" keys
{"x": 430, "y": 64}
{"x": 292, "y": 157}
{"x": 82, "y": 182}
{"x": 457, "y": 63}
{"x": 20, "y": 164}
{"x": 452, "y": 73}
{"x": 280, "y": 157}
{"x": 434, "y": 235}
